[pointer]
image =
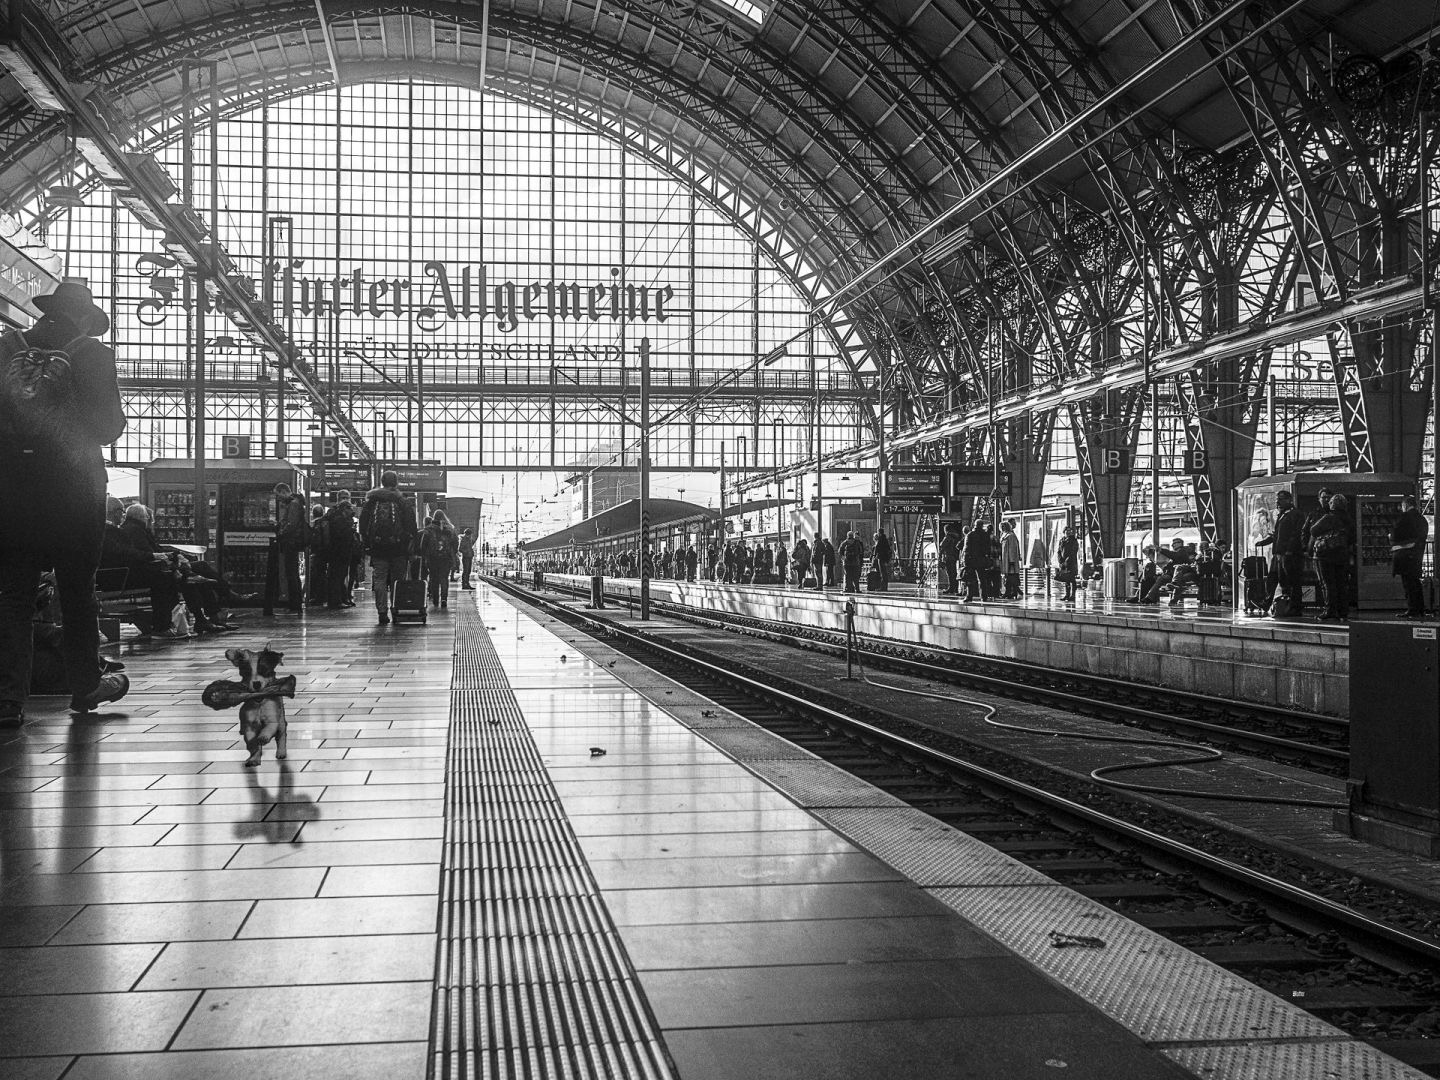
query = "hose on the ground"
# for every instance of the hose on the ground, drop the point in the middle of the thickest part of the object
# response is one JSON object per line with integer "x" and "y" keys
{"x": 1190, "y": 753}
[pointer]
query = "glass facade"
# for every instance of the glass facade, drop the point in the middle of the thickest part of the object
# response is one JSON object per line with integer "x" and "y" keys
{"x": 472, "y": 286}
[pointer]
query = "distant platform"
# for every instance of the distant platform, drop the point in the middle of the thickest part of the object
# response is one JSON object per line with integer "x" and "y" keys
{"x": 1300, "y": 664}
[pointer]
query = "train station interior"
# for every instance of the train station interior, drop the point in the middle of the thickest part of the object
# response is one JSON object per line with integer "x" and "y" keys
{"x": 706, "y": 539}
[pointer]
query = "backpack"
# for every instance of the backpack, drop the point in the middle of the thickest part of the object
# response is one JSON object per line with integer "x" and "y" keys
{"x": 36, "y": 387}
{"x": 387, "y": 526}
{"x": 438, "y": 544}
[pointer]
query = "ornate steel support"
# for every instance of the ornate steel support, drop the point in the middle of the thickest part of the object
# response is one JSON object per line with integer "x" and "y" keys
{"x": 1187, "y": 390}
{"x": 1105, "y": 493}
{"x": 1354, "y": 421}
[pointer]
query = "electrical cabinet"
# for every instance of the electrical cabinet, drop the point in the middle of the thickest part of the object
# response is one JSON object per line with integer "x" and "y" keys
{"x": 1394, "y": 788}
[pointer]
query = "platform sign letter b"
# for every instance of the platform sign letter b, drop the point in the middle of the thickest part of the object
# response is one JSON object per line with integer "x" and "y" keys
{"x": 325, "y": 448}
{"x": 1197, "y": 461}
{"x": 235, "y": 446}
{"x": 1114, "y": 459}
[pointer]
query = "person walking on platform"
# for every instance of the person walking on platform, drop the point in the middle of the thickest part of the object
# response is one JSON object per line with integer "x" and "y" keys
{"x": 852, "y": 558}
{"x": 387, "y": 528}
{"x": 292, "y": 534}
{"x": 977, "y": 563}
{"x": 692, "y": 562}
{"x": 438, "y": 547}
{"x": 59, "y": 404}
{"x": 1286, "y": 553}
{"x": 335, "y": 536}
{"x": 1067, "y": 562}
{"x": 1330, "y": 547}
{"x": 467, "y": 558}
{"x": 782, "y": 563}
{"x": 950, "y": 560}
{"x": 1009, "y": 560}
{"x": 1307, "y": 541}
{"x": 1407, "y": 546}
{"x": 317, "y": 561}
{"x": 884, "y": 553}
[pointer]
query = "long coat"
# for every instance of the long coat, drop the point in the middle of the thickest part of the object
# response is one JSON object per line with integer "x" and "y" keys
{"x": 53, "y": 487}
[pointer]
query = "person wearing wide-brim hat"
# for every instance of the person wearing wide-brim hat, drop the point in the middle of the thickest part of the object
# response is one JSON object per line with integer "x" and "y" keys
{"x": 59, "y": 404}
{"x": 72, "y": 304}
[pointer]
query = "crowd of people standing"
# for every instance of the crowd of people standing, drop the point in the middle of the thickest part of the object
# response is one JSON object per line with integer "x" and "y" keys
{"x": 1325, "y": 535}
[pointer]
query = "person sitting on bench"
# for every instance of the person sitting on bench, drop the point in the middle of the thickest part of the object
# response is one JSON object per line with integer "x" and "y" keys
{"x": 1176, "y": 566}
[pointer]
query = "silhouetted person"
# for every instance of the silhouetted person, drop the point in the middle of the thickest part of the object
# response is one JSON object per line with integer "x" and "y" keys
{"x": 59, "y": 404}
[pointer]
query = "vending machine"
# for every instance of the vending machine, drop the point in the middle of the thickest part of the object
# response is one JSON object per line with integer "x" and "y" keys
{"x": 1374, "y": 500}
{"x": 240, "y": 496}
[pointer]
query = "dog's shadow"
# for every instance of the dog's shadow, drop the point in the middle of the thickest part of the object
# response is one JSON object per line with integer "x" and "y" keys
{"x": 287, "y": 810}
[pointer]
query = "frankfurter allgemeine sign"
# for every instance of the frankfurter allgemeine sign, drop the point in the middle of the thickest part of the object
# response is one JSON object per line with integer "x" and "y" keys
{"x": 445, "y": 293}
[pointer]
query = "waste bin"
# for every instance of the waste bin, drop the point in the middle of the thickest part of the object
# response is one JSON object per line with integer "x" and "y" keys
{"x": 597, "y": 591}
{"x": 1119, "y": 576}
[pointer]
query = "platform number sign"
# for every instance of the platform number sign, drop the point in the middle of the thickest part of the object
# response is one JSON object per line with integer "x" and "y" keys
{"x": 235, "y": 446}
{"x": 1197, "y": 461}
{"x": 1114, "y": 460}
{"x": 324, "y": 448}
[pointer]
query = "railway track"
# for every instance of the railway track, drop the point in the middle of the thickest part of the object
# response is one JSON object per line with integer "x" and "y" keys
{"x": 1369, "y": 976}
{"x": 1309, "y": 739}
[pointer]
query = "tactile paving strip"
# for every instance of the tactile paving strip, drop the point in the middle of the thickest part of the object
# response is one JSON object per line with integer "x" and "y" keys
{"x": 814, "y": 784}
{"x": 1322, "y": 1060}
{"x": 531, "y": 980}
{"x": 928, "y": 852}
{"x": 1161, "y": 991}
{"x": 755, "y": 745}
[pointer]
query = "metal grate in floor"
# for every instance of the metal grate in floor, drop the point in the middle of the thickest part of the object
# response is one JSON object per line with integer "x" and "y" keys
{"x": 531, "y": 979}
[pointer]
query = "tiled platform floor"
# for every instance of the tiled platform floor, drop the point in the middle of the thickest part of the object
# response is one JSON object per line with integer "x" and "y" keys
{"x": 165, "y": 913}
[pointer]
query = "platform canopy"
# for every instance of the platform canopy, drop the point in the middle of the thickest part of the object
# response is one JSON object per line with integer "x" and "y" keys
{"x": 620, "y": 520}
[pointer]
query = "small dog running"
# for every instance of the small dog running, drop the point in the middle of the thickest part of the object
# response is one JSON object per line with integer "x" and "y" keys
{"x": 259, "y": 694}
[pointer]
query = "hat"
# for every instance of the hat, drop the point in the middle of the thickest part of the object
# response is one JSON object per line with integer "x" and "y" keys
{"x": 73, "y": 301}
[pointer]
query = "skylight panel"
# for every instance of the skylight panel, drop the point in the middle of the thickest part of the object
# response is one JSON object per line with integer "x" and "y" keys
{"x": 754, "y": 12}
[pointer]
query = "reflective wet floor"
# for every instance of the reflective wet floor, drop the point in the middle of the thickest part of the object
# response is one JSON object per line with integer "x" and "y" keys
{"x": 167, "y": 913}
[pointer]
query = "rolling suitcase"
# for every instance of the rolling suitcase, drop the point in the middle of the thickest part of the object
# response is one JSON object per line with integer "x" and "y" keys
{"x": 1256, "y": 572}
{"x": 407, "y": 599}
{"x": 874, "y": 582}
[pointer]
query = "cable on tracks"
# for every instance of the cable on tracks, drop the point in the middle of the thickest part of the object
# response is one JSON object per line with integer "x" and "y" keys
{"x": 1193, "y": 753}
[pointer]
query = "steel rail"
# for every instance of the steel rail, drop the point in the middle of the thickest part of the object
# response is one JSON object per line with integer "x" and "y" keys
{"x": 1006, "y": 687}
{"x": 1272, "y": 888}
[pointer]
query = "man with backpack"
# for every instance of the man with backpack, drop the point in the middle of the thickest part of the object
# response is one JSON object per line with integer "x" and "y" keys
{"x": 59, "y": 404}
{"x": 387, "y": 528}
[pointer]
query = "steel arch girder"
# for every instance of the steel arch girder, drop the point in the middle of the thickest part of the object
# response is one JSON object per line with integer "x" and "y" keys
{"x": 558, "y": 37}
{"x": 222, "y": 29}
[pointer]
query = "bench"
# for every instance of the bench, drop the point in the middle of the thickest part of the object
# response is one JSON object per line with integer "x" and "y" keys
{"x": 120, "y": 603}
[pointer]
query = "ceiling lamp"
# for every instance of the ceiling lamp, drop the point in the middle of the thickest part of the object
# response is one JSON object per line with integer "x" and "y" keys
{"x": 14, "y": 60}
{"x": 64, "y": 195}
{"x": 946, "y": 246}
